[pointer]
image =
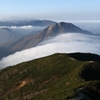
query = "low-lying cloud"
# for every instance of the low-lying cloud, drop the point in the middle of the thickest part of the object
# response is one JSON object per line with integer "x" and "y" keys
{"x": 23, "y": 27}
{"x": 25, "y": 30}
{"x": 65, "y": 43}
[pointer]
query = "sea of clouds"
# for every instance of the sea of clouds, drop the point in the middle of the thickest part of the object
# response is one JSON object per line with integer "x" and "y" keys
{"x": 65, "y": 43}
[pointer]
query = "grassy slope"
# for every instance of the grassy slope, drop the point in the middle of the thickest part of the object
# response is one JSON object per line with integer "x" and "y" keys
{"x": 54, "y": 77}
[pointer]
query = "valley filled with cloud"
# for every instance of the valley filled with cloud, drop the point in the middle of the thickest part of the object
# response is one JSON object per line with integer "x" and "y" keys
{"x": 64, "y": 43}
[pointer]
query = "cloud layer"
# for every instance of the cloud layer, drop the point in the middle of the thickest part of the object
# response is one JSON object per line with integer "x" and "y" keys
{"x": 65, "y": 43}
{"x": 24, "y": 29}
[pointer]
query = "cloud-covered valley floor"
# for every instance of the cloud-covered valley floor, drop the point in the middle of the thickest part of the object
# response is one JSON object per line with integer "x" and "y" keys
{"x": 65, "y": 43}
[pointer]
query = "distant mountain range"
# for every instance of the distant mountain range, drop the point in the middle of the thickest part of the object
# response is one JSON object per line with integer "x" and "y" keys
{"x": 73, "y": 76}
{"x": 28, "y": 22}
{"x": 7, "y": 35}
{"x": 32, "y": 40}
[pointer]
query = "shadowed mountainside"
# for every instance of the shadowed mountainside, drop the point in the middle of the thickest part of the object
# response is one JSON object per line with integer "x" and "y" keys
{"x": 7, "y": 35}
{"x": 85, "y": 57}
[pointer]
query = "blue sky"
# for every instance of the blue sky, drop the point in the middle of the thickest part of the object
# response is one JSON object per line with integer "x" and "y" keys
{"x": 58, "y": 10}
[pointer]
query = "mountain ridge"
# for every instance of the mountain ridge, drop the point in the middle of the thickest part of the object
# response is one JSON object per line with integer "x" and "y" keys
{"x": 58, "y": 77}
{"x": 27, "y": 22}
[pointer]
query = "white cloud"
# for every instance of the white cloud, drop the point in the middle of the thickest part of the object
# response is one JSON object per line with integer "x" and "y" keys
{"x": 65, "y": 43}
{"x": 23, "y": 27}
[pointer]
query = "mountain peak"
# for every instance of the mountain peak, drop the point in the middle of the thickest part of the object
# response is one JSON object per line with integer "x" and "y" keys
{"x": 64, "y": 23}
{"x": 63, "y": 27}
{"x": 61, "y": 24}
{"x": 67, "y": 25}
